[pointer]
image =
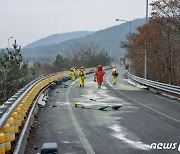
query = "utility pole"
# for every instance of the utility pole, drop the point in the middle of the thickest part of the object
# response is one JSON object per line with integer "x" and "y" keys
{"x": 130, "y": 24}
{"x": 145, "y": 44}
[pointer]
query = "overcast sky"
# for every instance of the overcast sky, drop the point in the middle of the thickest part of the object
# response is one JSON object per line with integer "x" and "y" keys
{"x": 30, "y": 20}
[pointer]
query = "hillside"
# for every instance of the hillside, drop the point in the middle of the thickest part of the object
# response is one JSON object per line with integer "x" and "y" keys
{"x": 57, "y": 38}
{"x": 108, "y": 39}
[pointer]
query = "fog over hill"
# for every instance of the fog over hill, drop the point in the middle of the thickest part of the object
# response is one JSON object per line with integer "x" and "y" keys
{"x": 108, "y": 39}
{"x": 57, "y": 38}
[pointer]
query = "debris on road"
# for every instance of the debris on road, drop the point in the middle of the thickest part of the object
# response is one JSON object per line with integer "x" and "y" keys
{"x": 42, "y": 100}
{"x": 45, "y": 98}
{"x": 35, "y": 147}
{"x": 53, "y": 86}
{"x": 41, "y": 104}
{"x": 115, "y": 107}
{"x": 77, "y": 105}
{"x": 64, "y": 86}
{"x": 91, "y": 99}
{"x": 102, "y": 108}
{"x": 53, "y": 106}
{"x": 49, "y": 148}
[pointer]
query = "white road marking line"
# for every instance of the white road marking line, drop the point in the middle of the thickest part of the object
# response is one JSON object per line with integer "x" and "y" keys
{"x": 143, "y": 104}
{"x": 78, "y": 128}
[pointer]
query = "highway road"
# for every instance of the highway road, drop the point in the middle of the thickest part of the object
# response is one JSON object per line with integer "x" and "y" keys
{"x": 143, "y": 119}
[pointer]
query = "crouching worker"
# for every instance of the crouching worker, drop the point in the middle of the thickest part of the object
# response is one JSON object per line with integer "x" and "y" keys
{"x": 98, "y": 75}
{"x": 115, "y": 75}
{"x": 82, "y": 76}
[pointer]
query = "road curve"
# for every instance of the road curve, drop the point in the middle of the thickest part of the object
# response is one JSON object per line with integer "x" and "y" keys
{"x": 144, "y": 118}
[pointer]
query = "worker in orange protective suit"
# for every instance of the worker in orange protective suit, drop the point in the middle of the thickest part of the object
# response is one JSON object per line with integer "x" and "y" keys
{"x": 98, "y": 75}
{"x": 82, "y": 76}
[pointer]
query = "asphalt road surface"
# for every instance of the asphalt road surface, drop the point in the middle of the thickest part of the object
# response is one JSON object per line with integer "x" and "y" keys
{"x": 143, "y": 119}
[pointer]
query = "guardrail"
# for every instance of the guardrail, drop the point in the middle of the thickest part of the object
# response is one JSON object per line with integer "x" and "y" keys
{"x": 157, "y": 85}
{"x": 15, "y": 109}
{"x": 13, "y": 112}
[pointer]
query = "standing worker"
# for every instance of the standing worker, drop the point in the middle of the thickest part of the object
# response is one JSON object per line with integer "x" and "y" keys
{"x": 82, "y": 76}
{"x": 75, "y": 72}
{"x": 115, "y": 75}
{"x": 72, "y": 74}
{"x": 98, "y": 75}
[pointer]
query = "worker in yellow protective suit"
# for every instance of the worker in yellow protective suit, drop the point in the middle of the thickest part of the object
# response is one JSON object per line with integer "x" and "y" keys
{"x": 72, "y": 74}
{"x": 115, "y": 75}
{"x": 75, "y": 72}
{"x": 82, "y": 76}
